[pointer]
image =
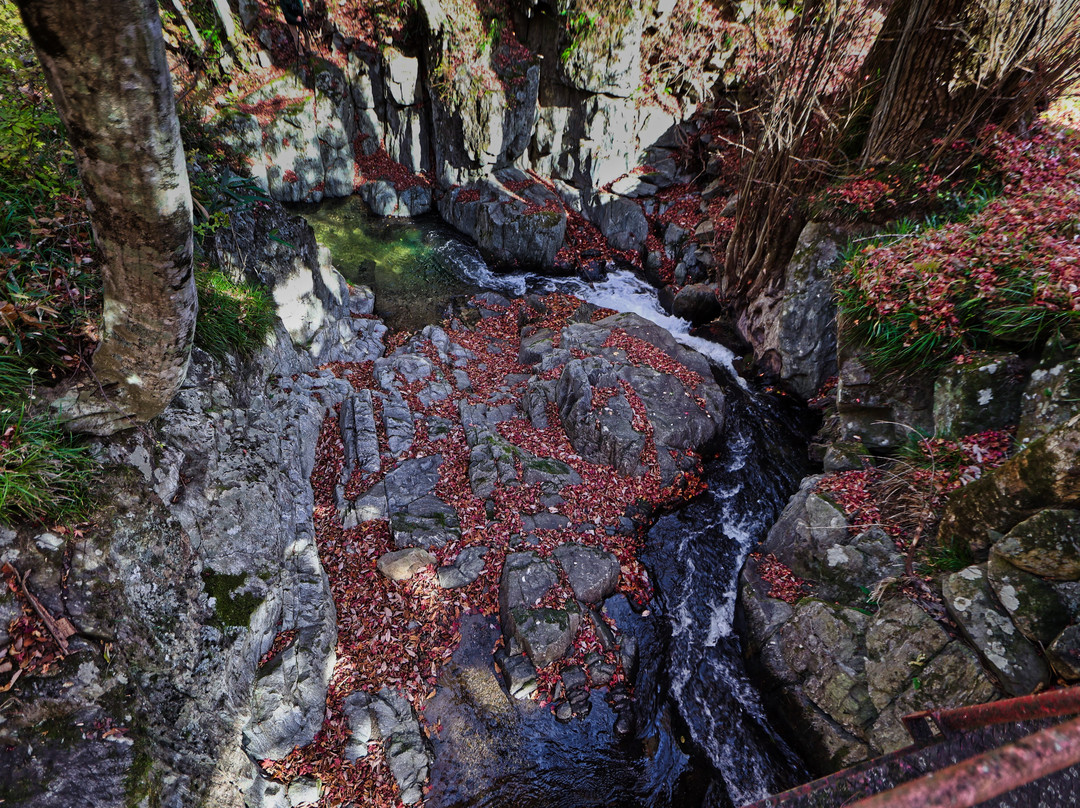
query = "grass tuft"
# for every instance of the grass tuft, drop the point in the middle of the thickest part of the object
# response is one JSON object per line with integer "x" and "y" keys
{"x": 45, "y": 473}
{"x": 234, "y": 318}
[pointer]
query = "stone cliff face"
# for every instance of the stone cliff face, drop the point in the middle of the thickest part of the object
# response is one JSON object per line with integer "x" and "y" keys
{"x": 503, "y": 156}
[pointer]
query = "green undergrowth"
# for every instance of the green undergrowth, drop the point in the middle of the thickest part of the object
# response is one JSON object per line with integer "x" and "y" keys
{"x": 997, "y": 272}
{"x": 234, "y": 317}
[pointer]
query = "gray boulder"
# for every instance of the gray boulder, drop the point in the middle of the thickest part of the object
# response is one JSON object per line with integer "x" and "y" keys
{"x": 546, "y": 634}
{"x": 593, "y": 573}
{"x": 524, "y": 227}
{"x": 806, "y": 326}
{"x": 417, "y": 517}
{"x": 981, "y": 394}
{"x": 813, "y": 539}
{"x": 1047, "y": 545}
{"x": 465, "y": 569}
{"x": 1033, "y": 604}
{"x": 1049, "y": 400}
{"x": 408, "y": 753}
{"x": 526, "y": 579}
{"x": 1012, "y": 658}
{"x": 698, "y": 303}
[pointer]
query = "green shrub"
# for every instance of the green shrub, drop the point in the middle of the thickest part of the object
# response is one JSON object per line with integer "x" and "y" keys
{"x": 233, "y": 317}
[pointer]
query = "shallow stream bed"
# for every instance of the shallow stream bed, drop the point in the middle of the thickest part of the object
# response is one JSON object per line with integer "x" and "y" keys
{"x": 702, "y": 737}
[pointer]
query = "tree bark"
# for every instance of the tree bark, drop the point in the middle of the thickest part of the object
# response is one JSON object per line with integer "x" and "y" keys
{"x": 921, "y": 41}
{"x": 105, "y": 64}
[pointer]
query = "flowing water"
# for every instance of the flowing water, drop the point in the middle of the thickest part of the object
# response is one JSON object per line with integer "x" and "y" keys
{"x": 703, "y": 738}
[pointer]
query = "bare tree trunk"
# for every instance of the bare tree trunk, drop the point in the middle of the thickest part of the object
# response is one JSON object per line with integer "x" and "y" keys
{"x": 915, "y": 91}
{"x": 105, "y": 64}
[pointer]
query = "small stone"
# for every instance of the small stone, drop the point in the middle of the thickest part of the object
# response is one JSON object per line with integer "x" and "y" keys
{"x": 574, "y": 678}
{"x": 400, "y": 565}
{"x": 48, "y": 542}
{"x": 564, "y": 712}
{"x": 305, "y": 790}
{"x": 624, "y": 724}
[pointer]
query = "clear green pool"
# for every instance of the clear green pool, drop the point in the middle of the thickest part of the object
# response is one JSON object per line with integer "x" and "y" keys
{"x": 415, "y": 267}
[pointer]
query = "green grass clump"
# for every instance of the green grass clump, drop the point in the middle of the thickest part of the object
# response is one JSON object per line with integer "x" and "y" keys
{"x": 45, "y": 473}
{"x": 234, "y": 318}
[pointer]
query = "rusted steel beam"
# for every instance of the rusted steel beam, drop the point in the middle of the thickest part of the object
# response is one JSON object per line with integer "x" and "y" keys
{"x": 988, "y": 775}
{"x": 1051, "y": 704}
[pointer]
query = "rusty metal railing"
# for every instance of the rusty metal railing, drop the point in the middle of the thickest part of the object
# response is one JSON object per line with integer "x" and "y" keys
{"x": 988, "y": 775}
{"x": 966, "y": 783}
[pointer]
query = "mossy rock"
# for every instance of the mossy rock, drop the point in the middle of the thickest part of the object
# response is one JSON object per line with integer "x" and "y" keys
{"x": 1044, "y": 475}
{"x": 1047, "y": 545}
{"x": 231, "y": 608}
{"x": 979, "y": 395}
{"x": 1032, "y": 603}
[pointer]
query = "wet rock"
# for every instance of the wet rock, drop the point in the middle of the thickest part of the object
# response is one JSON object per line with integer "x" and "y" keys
{"x": 304, "y": 790}
{"x": 408, "y": 754}
{"x": 356, "y": 709}
{"x": 1049, "y": 399}
{"x": 699, "y": 303}
{"x": 624, "y": 724}
{"x": 981, "y": 394}
{"x": 1047, "y": 545}
{"x": 1032, "y": 603}
{"x": 593, "y": 573}
{"x": 545, "y": 634}
{"x": 519, "y": 674}
{"x": 1064, "y": 653}
{"x": 465, "y": 569}
{"x": 987, "y": 626}
{"x": 400, "y": 565}
{"x": 1046, "y": 474}
{"x": 601, "y": 674}
{"x": 564, "y": 712}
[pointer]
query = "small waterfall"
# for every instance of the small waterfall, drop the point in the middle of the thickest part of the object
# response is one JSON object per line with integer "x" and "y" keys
{"x": 695, "y": 556}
